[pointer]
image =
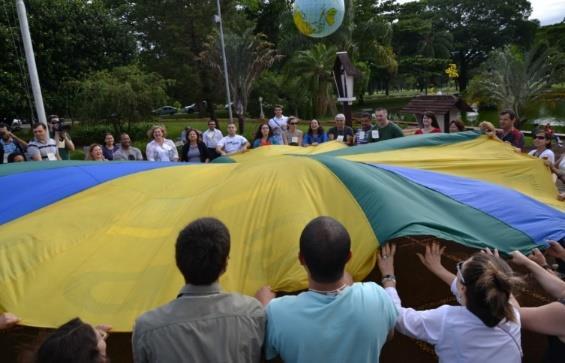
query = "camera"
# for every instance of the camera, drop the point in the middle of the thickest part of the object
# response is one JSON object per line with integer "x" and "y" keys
{"x": 60, "y": 125}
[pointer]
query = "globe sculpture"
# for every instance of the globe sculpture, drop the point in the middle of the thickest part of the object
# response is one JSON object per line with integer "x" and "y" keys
{"x": 318, "y": 18}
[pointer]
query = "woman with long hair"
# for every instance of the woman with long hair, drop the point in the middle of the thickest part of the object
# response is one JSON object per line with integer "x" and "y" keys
{"x": 293, "y": 136}
{"x": 315, "y": 134}
{"x": 160, "y": 148}
{"x": 431, "y": 126}
{"x": 109, "y": 148}
{"x": 486, "y": 325}
{"x": 264, "y": 136}
{"x": 194, "y": 150}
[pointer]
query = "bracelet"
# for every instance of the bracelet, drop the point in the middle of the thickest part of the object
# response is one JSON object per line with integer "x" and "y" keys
{"x": 387, "y": 278}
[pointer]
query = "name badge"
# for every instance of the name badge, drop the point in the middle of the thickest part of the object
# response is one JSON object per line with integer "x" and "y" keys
{"x": 51, "y": 156}
{"x": 340, "y": 138}
{"x": 361, "y": 135}
{"x": 294, "y": 140}
{"x": 375, "y": 134}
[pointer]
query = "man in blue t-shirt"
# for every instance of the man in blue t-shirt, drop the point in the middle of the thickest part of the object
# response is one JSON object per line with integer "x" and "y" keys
{"x": 334, "y": 321}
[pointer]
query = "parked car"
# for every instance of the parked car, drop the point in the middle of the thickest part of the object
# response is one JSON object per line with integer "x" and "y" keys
{"x": 165, "y": 110}
{"x": 191, "y": 108}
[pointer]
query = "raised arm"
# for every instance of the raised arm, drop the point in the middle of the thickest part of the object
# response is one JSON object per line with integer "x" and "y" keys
{"x": 432, "y": 260}
{"x": 549, "y": 282}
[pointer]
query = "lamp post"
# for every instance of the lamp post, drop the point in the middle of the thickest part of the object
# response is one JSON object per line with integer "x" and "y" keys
{"x": 344, "y": 74}
{"x": 261, "y": 113}
{"x": 218, "y": 19}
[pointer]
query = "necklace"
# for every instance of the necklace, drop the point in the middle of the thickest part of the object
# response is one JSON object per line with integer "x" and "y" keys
{"x": 331, "y": 292}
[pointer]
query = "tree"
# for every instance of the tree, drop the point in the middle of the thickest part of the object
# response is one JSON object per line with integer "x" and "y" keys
{"x": 71, "y": 39}
{"x": 479, "y": 26}
{"x": 248, "y": 55}
{"x": 124, "y": 94}
{"x": 315, "y": 68}
{"x": 513, "y": 79}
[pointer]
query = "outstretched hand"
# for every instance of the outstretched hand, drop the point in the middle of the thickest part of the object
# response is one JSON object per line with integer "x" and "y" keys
{"x": 265, "y": 295}
{"x": 432, "y": 257}
{"x": 519, "y": 258}
{"x": 386, "y": 259}
{"x": 488, "y": 251}
{"x": 556, "y": 250}
{"x": 538, "y": 257}
{"x": 8, "y": 320}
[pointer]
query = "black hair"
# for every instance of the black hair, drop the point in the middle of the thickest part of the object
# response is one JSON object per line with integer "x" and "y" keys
{"x": 433, "y": 117}
{"x": 74, "y": 341}
{"x": 12, "y": 157}
{"x": 325, "y": 246}
{"x": 202, "y": 250}
{"x": 320, "y": 128}
{"x": 459, "y": 124}
{"x": 510, "y": 113}
{"x": 259, "y": 134}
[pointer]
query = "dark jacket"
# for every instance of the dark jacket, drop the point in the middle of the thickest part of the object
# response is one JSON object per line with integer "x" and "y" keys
{"x": 203, "y": 151}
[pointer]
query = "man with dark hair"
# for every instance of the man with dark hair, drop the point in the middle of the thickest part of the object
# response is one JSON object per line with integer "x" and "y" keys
{"x": 202, "y": 324}
{"x": 384, "y": 129}
{"x": 9, "y": 144}
{"x": 279, "y": 124}
{"x": 362, "y": 133}
{"x": 126, "y": 151}
{"x": 334, "y": 321}
{"x": 509, "y": 133}
{"x": 42, "y": 147}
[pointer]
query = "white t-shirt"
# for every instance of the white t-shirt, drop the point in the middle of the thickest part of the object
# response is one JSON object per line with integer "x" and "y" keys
{"x": 211, "y": 138}
{"x": 278, "y": 124}
{"x": 459, "y": 335}
{"x": 546, "y": 154}
{"x": 165, "y": 152}
{"x": 232, "y": 144}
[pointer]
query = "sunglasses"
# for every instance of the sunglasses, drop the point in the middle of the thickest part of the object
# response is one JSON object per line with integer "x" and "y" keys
{"x": 459, "y": 272}
{"x": 540, "y": 137}
{"x": 294, "y": 123}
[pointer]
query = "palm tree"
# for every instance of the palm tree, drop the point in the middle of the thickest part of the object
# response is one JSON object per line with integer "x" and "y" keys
{"x": 248, "y": 55}
{"x": 314, "y": 67}
{"x": 514, "y": 80}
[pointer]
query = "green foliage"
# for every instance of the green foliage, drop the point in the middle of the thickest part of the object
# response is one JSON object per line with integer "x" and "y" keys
{"x": 124, "y": 94}
{"x": 514, "y": 79}
{"x": 71, "y": 38}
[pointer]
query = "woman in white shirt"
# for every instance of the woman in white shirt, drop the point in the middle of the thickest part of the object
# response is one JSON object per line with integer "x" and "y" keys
{"x": 542, "y": 142}
{"x": 160, "y": 148}
{"x": 484, "y": 328}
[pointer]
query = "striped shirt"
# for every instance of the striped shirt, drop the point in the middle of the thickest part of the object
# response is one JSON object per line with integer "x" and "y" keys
{"x": 44, "y": 149}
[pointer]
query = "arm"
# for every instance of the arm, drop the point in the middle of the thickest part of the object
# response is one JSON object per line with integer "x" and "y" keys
{"x": 175, "y": 151}
{"x": 184, "y": 151}
{"x": 349, "y": 140}
{"x": 149, "y": 152}
{"x": 424, "y": 325}
{"x": 34, "y": 153}
{"x": 22, "y": 143}
{"x": 285, "y": 139}
{"x": 549, "y": 282}
{"x": 138, "y": 348}
{"x": 265, "y": 295}
{"x": 432, "y": 261}
{"x": 547, "y": 319}
{"x": 245, "y": 147}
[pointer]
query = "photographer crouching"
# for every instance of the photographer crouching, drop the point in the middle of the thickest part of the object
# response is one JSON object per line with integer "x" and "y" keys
{"x": 60, "y": 133}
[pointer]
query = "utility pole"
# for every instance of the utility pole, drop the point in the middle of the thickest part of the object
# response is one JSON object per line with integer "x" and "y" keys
{"x": 218, "y": 19}
{"x": 30, "y": 59}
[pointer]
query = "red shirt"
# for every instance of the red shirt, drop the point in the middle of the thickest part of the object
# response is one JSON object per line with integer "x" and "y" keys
{"x": 434, "y": 131}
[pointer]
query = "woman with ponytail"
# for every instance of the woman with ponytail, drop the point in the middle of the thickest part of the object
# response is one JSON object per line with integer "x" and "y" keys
{"x": 485, "y": 328}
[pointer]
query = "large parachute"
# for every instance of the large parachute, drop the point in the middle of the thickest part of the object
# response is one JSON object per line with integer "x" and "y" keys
{"x": 96, "y": 240}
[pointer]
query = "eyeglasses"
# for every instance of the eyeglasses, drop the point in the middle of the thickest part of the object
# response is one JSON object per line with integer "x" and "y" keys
{"x": 459, "y": 272}
{"x": 540, "y": 137}
{"x": 294, "y": 123}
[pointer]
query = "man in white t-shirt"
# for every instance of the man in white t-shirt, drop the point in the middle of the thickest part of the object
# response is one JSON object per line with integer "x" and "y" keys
{"x": 211, "y": 137}
{"x": 42, "y": 147}
{"x": 232, "y": 143}
{"x": 279, "y": 124}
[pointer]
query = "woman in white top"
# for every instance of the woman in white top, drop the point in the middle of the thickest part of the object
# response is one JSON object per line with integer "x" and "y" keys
{"x": 542, "y": 142}
{"x": 485, "y": 328}
{"x": 160, "y": 148}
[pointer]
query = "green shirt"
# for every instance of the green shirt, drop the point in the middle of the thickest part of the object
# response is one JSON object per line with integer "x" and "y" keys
{"x": 390, "y": 131}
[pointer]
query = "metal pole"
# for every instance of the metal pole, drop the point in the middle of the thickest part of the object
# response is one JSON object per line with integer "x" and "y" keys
{"x": 30, "y": 59}
{"x": 219, "y": 20}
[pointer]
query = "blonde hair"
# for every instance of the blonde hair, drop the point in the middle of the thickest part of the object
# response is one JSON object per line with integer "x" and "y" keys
{"x": 90, "y": 148}
{"x": 155, "y": 127}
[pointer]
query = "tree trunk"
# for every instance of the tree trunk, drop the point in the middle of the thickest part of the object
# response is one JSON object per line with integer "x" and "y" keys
{"x": 463, "y": 79}
{"x": 241, "y": 122}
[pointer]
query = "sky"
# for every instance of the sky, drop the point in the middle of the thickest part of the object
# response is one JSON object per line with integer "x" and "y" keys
{"x": 546, "y": 11}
